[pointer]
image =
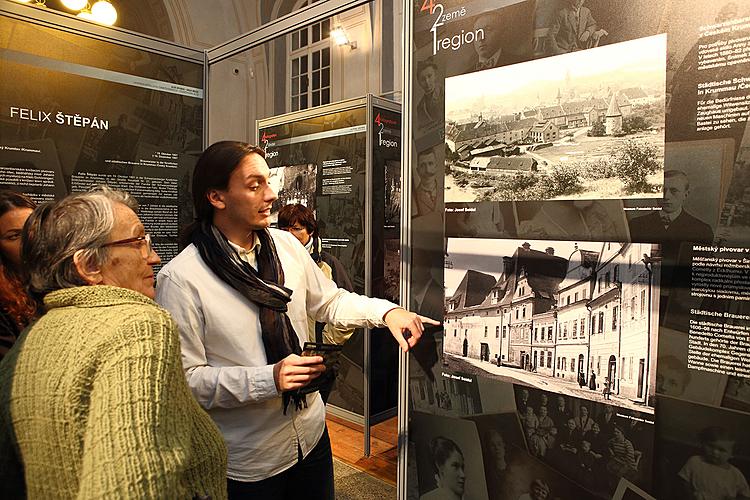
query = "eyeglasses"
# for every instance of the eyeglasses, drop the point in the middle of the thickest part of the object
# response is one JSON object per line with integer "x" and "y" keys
{"x": 145, "y": 249}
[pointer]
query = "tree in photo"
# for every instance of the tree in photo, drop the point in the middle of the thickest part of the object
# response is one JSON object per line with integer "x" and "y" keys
{"x": 632, "y": 124}
{"x": 597, "y": 129}
{"x": 634, "y": 162}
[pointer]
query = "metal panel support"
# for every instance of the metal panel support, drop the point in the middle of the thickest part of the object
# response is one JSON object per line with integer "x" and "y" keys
{"x": 405, "y": 285}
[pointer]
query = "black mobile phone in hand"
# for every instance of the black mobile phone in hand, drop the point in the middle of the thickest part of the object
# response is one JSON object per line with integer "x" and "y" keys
{"x": 329, "y": 352}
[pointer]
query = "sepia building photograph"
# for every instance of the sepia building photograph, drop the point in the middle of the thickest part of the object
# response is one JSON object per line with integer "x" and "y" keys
{"x": 577, "y": 317}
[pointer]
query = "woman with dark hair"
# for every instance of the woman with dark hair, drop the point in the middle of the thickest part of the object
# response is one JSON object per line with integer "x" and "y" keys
{"x": 448, "y": 463}
{"x": 300, "y": 221}
{"x": 16, "y": 307}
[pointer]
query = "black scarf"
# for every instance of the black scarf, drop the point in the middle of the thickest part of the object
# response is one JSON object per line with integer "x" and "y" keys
{"x": 262, "y": 287}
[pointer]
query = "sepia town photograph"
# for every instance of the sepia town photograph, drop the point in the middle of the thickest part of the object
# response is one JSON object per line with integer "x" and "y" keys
{"x": 579, "y": 319}
{"x": 581, "y": 125}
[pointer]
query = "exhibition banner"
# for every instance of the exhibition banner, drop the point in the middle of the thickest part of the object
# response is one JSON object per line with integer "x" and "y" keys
{"x": 580, "y": 189}
{"x": 77, "y": 112}
{"x": 386, "y": 172}
{"x": 321, "y": 161}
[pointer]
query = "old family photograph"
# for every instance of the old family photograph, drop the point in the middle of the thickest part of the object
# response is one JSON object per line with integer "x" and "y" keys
{"x": 581, "y": 125}
{"x": 578, "y": 319}
{"x": 532, "y": 442}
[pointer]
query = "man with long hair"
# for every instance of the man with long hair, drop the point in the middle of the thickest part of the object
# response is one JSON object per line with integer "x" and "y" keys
{"x": 241, "y": 294}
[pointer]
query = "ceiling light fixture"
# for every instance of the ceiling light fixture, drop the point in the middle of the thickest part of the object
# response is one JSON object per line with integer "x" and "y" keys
{"x": 104, "y": 12}
{"x": 86, "y": 14}
{"x": 75, "y": 4}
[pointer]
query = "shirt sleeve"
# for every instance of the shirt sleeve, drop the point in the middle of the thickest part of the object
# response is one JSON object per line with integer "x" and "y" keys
{"x": 687, "y": 471}
{"x": 741, "y": 483}
{"x": 590, "y": 22}
{"x": 559, "y": 19}
{"x": 329, "y": 304}
{"x": 212, "y": 386}
{"x": 137, "y": 431}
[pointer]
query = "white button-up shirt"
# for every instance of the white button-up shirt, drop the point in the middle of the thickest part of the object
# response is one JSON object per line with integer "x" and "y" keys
{"x": 225, "y": 361}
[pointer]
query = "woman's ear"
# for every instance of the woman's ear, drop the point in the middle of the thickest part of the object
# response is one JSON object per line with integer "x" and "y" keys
{"x": 87, "y": 269}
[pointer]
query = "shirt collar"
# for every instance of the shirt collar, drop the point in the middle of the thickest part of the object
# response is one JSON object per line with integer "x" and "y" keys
{"x": 309, "y": 244}
{"x": 671, "y": 217}
{"x": 241, "y": 251}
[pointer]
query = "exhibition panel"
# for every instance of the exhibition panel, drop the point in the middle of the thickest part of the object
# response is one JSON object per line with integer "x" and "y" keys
{"x": 573, "y": 206}
{"x": 342, "y": 162}
{"x": 80, "y": 111}
{"x": 578, "y": 178}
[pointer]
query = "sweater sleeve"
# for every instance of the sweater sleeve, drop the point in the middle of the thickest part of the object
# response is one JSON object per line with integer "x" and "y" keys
{"x": 11, "y": 470}
{"x": 138, "y": 431}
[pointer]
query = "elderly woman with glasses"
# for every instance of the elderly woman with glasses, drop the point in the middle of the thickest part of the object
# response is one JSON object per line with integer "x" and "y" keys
{"x": 93, "y": 400}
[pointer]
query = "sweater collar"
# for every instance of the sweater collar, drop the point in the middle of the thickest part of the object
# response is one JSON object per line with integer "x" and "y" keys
{"x": 94, "y": 296}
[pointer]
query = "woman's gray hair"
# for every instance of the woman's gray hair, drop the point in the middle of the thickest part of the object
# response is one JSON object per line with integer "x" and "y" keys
{"x": 56, "y": 231}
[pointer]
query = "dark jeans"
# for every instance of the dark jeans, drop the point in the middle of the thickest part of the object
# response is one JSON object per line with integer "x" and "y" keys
{"x": 310, "y": 478}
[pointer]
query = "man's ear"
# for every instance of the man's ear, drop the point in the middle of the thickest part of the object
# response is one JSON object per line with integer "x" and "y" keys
{"x": 216, "y": 199}
{"x": 87, "y": 269}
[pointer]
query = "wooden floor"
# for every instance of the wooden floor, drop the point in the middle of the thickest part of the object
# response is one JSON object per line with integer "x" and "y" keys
{"x": 347, "y": 443}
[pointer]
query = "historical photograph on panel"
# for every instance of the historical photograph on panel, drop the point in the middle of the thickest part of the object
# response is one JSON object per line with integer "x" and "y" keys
{"x": 703, "y": 452}
{"x": 594, "y": 444}
{"x": 448, "y": 463}
{"x": 696, "y": 179}
{"x": 512, "y": 473}
{"x": 392, "y": 194}
{"x": 293, "y": 184}
{"x": 589, "y": 220}
{"x": 584, "y": 125}
{"x": 500, "y": 435}
{"x": 563, "y": 26}
{"x": 580, "y": 319}
{"x": 675, "y": 379}
{"x": 737, "y": 394}
{"x": 391, "y": 269}
{"x": 488, "y": 219}
{"x": 450, "y": 394}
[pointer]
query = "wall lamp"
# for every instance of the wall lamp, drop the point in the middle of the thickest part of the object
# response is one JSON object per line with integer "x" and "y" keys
{"x": 340, "y": 37}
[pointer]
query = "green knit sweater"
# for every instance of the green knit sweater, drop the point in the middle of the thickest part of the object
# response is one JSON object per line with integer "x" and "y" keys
{"x": 94, "y": 404}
